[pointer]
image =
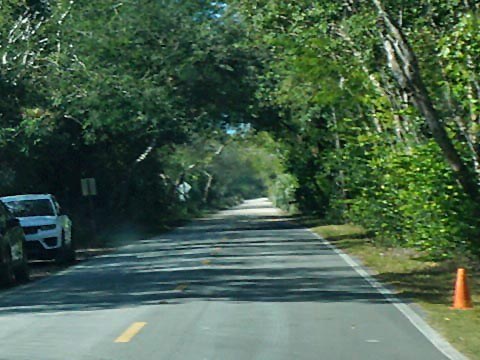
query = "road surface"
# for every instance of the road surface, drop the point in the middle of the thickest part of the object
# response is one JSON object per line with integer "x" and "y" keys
{"x": 244, "y": 284}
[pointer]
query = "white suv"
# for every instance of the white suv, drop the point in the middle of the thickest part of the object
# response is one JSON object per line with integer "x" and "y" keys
{"x": 48, "y": 232}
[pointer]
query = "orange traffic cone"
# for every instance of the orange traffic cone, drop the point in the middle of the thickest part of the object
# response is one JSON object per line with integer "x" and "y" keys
{"x": 461, "y": 298}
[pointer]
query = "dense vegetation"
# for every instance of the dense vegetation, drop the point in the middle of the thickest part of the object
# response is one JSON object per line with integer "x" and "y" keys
{"x": 141, "y": 95}
{"x": 362, "y": 111}
{"x": 376, "y": 110}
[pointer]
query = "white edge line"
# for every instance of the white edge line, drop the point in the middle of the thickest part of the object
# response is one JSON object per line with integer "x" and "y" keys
{"x": 432, "y": 335}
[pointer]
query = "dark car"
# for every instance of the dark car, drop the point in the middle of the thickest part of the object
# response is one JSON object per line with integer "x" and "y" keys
{"x": 13, "y": 257}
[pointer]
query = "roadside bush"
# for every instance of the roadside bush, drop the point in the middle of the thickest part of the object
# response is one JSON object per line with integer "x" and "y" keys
{"x": 282, "y": 192}
{"x": 415, "y": 202}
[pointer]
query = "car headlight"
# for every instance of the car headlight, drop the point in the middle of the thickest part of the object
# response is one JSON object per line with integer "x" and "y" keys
{"x": 48, "y": 227}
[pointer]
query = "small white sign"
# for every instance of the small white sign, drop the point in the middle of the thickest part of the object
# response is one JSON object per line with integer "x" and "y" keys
{"x": 89, "y": 187}
{"x": 183, "y": 189}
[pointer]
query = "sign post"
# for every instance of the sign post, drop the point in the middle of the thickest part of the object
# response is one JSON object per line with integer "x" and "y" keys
{"x": 89, "y": 189}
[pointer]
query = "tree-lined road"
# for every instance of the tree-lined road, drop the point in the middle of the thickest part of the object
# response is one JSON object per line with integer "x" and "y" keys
{"x": 243, "y": 284}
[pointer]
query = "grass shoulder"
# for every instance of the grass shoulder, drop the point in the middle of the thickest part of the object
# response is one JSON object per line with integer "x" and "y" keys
{"x": 415, "y": 279}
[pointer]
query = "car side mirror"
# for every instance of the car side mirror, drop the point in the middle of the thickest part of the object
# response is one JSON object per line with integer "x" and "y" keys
{"x": 13, "y": 222}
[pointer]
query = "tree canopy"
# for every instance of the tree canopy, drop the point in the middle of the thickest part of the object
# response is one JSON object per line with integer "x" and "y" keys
{"x": 356, "y": 111}
{"x": 375, "y": 106}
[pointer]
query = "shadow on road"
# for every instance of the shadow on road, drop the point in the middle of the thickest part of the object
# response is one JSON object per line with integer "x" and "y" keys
{"x": 238, "y": 258}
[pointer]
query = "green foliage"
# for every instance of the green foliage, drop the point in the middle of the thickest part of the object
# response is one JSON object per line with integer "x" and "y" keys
{"x": 353, "y": 142}
{"x": 131, "y": 93}
{"x": 411, "y": 199}
{"x": 238, "y": 99}
{"x": 282, "y": 192}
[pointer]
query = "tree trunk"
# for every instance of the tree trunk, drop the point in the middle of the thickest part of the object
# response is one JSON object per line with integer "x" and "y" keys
{"x": 404, "y": 65}
{"x": 206, "y": 190}
{"x": 341, "y": 175}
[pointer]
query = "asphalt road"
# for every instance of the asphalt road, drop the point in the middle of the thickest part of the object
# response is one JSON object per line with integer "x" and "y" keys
{"x": 244, "y": 284}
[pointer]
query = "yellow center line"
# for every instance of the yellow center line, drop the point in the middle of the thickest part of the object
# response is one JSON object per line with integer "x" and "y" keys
{"x": 181, "y": 287}
{"x": 128, "y": 334}
{"x": 206, "y": 262}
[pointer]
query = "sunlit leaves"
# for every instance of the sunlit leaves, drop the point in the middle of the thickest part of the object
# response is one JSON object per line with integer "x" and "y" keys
{"x": 353, "y": 140}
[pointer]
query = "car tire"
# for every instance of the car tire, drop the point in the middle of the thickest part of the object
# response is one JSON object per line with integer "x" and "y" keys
{"x": 22, "y": 272}
{"x": 7, "y": 275}
{"x": 71, "y": 253}
{"x": 65, "y": 254}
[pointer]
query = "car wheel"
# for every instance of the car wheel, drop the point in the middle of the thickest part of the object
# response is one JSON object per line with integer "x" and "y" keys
{"x": 22, "y": 272}
{"x": 62, "y": 256}
{"x": 7, "y": 275}
{"x": 72, "y": 254}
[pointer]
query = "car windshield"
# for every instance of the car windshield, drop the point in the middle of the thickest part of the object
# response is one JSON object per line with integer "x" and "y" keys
{"x": 26, "y": 208}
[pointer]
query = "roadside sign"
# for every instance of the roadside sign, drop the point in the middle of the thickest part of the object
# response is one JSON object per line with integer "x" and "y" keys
{"x": 183, "y": 189}
{"x": 89, "y": 187}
